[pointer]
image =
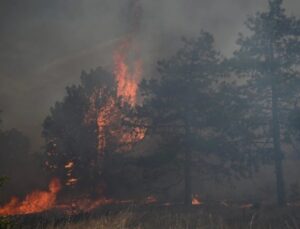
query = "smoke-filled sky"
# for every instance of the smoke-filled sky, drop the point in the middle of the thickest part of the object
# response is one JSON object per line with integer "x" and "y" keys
{"x": 45, "y": 44}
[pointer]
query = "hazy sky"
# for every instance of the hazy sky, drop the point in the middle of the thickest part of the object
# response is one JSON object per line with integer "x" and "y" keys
{"x": 45, "y": 44}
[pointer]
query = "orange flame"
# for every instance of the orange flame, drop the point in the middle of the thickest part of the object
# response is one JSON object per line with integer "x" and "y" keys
{"x": 103, "y": 120}
{"x": 103, "y": 117}
{"x": 128, "y": 73}
{"x": 71, "y": 181}
{"x": 37, "y": 201}
{"x": 196, "y": 200}
{"x": 127, "y": 76}
{"x": 69, "y": 165}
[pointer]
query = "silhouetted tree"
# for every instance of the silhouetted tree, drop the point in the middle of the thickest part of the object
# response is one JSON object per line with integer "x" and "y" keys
{"x": 2, "y": 178}
{"x": 71, "y": 132}
{"x": 14, "y": 151}
{"x": 75, "y": 146}
{"x": 17, "y": 163}
{"x": 268, "y": 63}
{"x": 192, "y": 112}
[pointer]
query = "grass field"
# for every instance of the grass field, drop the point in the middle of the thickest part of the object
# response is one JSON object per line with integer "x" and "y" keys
{"x": 210, "y": 217}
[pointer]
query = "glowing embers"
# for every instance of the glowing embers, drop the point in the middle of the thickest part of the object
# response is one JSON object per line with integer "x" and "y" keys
{"x": 196, "y": 200}
{"x": 136, "y": 134}
{"x": 108, "y": 119}
{"x": 102, "y": 115}
{"x": 105, "y": 119}
{"x": 37, "y": 201}
{"x": 69, "y": 166}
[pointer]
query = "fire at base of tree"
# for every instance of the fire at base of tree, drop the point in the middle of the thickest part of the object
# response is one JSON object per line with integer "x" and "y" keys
{"x": 205, "y": 142}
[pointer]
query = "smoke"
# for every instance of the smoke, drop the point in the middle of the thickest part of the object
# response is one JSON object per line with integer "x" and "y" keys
{"x": 45, "y": 44}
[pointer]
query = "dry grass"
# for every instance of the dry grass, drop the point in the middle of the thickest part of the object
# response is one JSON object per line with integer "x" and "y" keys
{"x": 179, "y": 218}
{"x": 119, "y": 221}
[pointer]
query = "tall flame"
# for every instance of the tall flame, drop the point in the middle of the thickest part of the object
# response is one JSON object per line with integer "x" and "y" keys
{"x": 128, "y": 73}
{"x": 37, "y": 201}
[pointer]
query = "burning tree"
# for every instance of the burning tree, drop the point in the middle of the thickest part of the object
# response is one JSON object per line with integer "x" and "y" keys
{"x": 72, "y": 139}
{"x": 84, "y": 133}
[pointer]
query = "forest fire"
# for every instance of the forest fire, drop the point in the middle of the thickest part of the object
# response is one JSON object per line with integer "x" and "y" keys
{"x": 156, "y": 131}
{"x": 104, "y": 119}
{"x": 37, "y": 201}
{"x": 127, "y": 73}
{"x": 127, "y": 77}
{"x": 107, "y": 116}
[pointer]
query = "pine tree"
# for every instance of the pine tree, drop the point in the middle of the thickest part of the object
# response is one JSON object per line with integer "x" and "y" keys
{"x": 192, "y": 112}
{"x": 267, "y": 60}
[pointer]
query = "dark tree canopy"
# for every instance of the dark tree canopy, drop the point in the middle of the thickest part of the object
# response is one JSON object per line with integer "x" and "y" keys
{"x": 78, "y": 152}
{"x": 268, "y": 61}
{"x": 203, "y": 115}
{"x": 70, "y": 137}
{"x": 193, "y": 113}
{"x": 18, "y": 165}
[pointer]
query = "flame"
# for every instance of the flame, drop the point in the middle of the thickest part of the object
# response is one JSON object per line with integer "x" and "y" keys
{"x": 103, "y": 116}
{"x": 69, "y": 165}
{"x": 128, "y": 71}
{"x": 136, "y": 135}
{"x": 127, "y": 76}
{"x": 71, "y": 181}
{"x": 37, "y": 201}
{"x": 196, "y": 200}
{"x": 104, "y": 119}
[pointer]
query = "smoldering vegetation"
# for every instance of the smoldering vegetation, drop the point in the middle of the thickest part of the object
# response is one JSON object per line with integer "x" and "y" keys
{"x": 189, "y": 137}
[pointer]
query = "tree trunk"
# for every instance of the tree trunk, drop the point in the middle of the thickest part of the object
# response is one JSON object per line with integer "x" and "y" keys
{"x": 278, "y": 156}
{"x": 187, "y": 161}
{"x": 187, "y": 179}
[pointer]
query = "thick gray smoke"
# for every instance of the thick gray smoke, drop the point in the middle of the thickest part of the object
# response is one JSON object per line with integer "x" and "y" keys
{"x": 44, "y": 45}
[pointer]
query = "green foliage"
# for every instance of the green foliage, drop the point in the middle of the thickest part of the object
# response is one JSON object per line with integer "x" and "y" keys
{"x": 193, "y": 111}
{"x": 268, "y": 64}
